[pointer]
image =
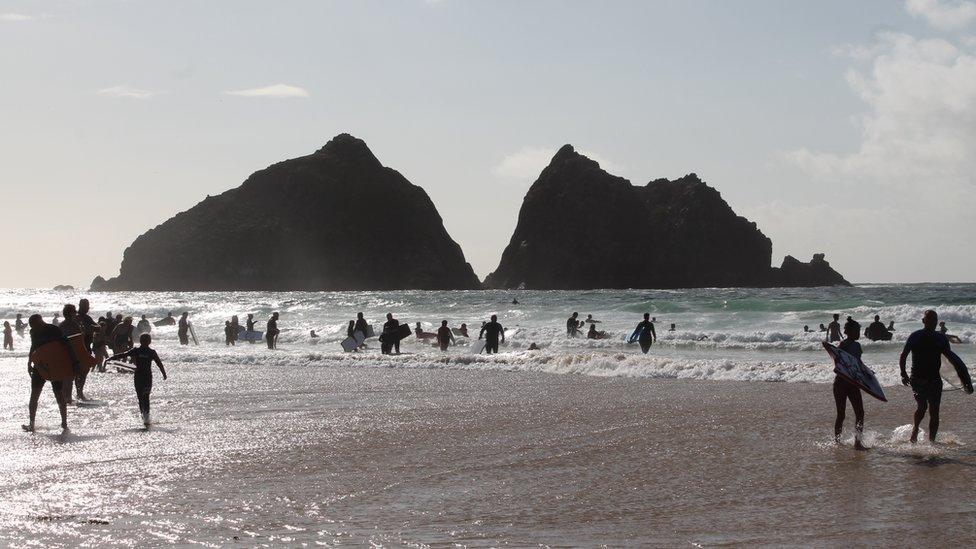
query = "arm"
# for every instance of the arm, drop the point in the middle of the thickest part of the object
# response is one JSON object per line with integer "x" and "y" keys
{"x": 159, "y": 364}
{"x": 653, "y": 333}
{"x": 482, "y": 333}
{"x": 903, "y": 359}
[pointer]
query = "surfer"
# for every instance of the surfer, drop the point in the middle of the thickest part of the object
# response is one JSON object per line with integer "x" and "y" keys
{"x": 806, "y": 329}
{"x": 845, "y": 390}
{"x": 927, "y": 346}
{"x": 41, "y": 333}
{"x": 235, "y": 327}
{"x": 673, "y": 328}
{"x": 463, "y": 330}
{"x": 823, "y": 328}
{"x": 143, "y": 326}
{"x": 591, "y": 320}
{"x": 20, "y": 325}
{"x": 143, "y": 357}
{"x": 271, "y": 335}
{"x": 444, "y": 336}
{"x": 491, "y": 331}
{"x": 8, "y": 336}
{"x": 70, "y": 326}
{"x": 87, "y": 322}
{"x": 228, "y": 334}
{"x": 644, "y": 333}
{"x": 422, "y": 335}
{"x": 390, "y": 328}
{"x": 183, "y": 329}
{"x": 876, "y": 331}
{"x": 122, "y": 336}
{"x": 573, "y": 325}
{"x": 515, "y": 301}
{"x": 593, "y": 334}
{"x": 833, "y": 329}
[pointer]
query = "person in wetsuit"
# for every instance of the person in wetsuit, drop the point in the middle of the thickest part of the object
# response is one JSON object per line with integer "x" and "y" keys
{"x": 926, "y": 347}
{"x": 71, "y": 326}
{"x": 8, "y": 336}
{"x": 833, "y": 330}
{"x": 20, "y": 325}
{"x": 122, "y": 336}
{"x": 463, "y": 330}
{"x": 143, "y": 357}
{"x": 876, "y": 331}
{"x": 573, "y": 325}
{"x": 646, "y": 334}
{"x": 361, "y": 325}
{"x": 491, "y": 332}
{"x": 390, "y": 327}
{"x": 445, "y": 337}
{"x": 143, "y": 326}
{"x": 845, "y": 390}
{"x": 271, "y": 335}
{"x": 182, "y": 330}
{"x": 228, "y": 333}
{"x": 40, "y": 334}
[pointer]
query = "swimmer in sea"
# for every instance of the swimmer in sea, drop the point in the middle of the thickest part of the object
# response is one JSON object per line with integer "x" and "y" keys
{"x": 444, "y": 336}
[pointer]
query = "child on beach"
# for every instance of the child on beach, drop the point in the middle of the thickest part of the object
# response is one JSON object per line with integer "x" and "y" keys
{"x": 8, "y": 336}
{"x": 143, "y": 357}
{"x": 845, "y": 390}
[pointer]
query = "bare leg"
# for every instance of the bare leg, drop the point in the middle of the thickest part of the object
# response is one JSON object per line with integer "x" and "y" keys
{"x": 858, "y": 406}
{"x": 840, "y": 401}
{"x": 60, "y": 396}
{"x": 917, "y": 419}
{"x": 32, "y": 406}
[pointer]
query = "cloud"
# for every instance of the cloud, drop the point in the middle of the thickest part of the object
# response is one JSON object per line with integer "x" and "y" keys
{"x": 274, "y": 91}
{"x": 528, "y": 162}
{"x": 127, "y": 92}
{"x": 920, "y": 122}
{"x": 944, "y": 15}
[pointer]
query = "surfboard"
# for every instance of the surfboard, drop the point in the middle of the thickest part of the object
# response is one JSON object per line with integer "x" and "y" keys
{"x": 853, "y": 369}
{"x": 457, "y": 332}
{"x": 168, "y": 321}
{"x": 85, "y": 358}
{"x": 634, "y": 337}
{"x": 193, "y": 334}
{"x": 349, "y": 344}
{"x": 369, "y": 331}
{"x": 53, "y": 362}
{"x": 359, "y": 337}
{"x": 961, "y": 370}
{"x": 477, "y": 346}
{"x": 251, "y": 336}
{"x": 954, "y": 339}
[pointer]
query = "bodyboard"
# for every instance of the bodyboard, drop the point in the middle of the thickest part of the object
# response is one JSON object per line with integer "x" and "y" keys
{"x": 193, "y": 334}
{"x": 477, "y": 346}
{"x": 53, "y": 362}
{"x": 960, "y": 367}
{"x": 359, "y": 337}
{"x": 853, "y": 370}
{"x": 349, "y": 344}
{"x": 169, "y": 321}
{"x": 85, "y": 358}
{"x": 251, "y": 336}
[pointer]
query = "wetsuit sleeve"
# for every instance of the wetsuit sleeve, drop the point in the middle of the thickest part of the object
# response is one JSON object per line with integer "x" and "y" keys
{"x": 909, "y": 343}
{"x": 155, "y": 357}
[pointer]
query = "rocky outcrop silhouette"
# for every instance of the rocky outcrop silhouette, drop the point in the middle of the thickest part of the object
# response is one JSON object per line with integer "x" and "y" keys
{"x": 336, "y": 219}
{"x": 581, "y": 227}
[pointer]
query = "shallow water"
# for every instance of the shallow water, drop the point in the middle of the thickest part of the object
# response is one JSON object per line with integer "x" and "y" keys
{"x": 306, "y": 445}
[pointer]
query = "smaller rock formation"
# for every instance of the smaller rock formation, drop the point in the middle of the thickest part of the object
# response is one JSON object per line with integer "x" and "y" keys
{"x": 817, "y": 272}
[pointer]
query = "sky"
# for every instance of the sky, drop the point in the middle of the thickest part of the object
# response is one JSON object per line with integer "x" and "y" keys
{"x": 847, "y": 128}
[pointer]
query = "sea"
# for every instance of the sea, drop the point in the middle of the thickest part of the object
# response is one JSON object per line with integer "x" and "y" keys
{"x": 721, "y": 434}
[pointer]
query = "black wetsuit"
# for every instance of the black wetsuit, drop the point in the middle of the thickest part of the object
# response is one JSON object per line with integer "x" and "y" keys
{"x": 927, "y": 347}
{"x": 491, "y": 332}
{"x": 444, "y": 337}
{"x": 361, "y": 326}
{"x": 272, "y": 334}
{"x": 572, "y": 327}
{"x": 390, "y": 327}
{"x": 646, "y": 330}
{"x": 845, "y": 390}
{"x": 143, "y": 358}
{"x": 183, "y": 331}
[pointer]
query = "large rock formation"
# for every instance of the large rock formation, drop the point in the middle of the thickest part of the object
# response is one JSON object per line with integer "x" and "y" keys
{"x": 580, "y": 227}
{"x": 333, "y": 220}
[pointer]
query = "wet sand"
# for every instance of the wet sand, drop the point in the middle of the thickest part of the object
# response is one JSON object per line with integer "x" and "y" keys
{"x": 315, "y": 454}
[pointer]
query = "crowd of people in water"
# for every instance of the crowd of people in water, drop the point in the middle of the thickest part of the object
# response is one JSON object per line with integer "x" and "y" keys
{"x": 111, "y": 340}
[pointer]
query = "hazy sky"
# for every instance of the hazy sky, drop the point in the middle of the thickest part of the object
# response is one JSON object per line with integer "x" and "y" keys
{"x": 842, "y": 127}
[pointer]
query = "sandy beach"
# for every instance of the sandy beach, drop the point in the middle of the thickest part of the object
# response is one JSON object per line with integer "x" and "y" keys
{"x": 334, "y": 456}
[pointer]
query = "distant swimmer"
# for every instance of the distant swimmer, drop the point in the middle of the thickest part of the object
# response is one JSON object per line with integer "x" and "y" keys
{"x": 591, "y": 320}
{"x": 823, "y": 328}
{"x": 644, "y": 333}
{"x": 876, "y": 331}
{"x": 40, "y": 334}
{"x": 144, "y": 326}
{"x": 594, "y": 334}
{"x": 573, "y": 325}
{"x": 182, "y": 330}
{"x": 945, "y": 332}
{"x": 228, "y": 333}
{"x": 271, "y": 333}
{"x": 143, "y": 357}
{"x": 312, "y": 334}
{"x": 8, "y": 336}
{"x": 444, "y": 336}
{"x": 168, "y": 320}
{"x": 533, "y": 346}
{"x": 927, "y": 347}
{"x": 845, "y": 390}
{"x": 20, "y": 325}
{"x": 422, "y": 335}
{"x": 464, "y": 330}
{"x": 515, "y": 301}
{"x": 390, "y": 327}
{"x": 491, "y": 332}
{"x": 806, "y": 329}
{"x": 833, "y": 329}
{"x": 672, "y": 327}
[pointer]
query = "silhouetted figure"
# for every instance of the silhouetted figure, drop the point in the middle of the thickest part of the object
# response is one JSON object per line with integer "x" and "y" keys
{"x": 491, "y": 332}
{"x": 312, "y": 334}
{"x": 444, "y": 336}
{"x": 833, "y": 329}
{"x": 249, "y": 326}
{"x": 891, "y": 326}
{"x": 573, "y": 325}
{"x": 464, "y": 330}
{"x": 806, "y": 329}
{"x": 228, "y": 333}
{"x": 20, "y": 325}
{"x": 40, "y": 334}
{"x": 515, "y": 301}
{"x": 182, "y": 331}
{"x": 823, "y": 328}
{"x": 99, "y": 343}
{"x": 876, "y": 331}
{"x": 143, "y": 357}
{"x": 87, "y": 322}
{"x": 391, "y": 341}
{"x": 144, "y": 326}
{"x": 350, "y": 329}
{"x": 422, "y": 335}
{"x": 70, "y": 326}
{"x": 591, "y": 320}
{"x": 673, "y": 328}
{"x": 8, "y": 336}
{"x": 271, "y": 335}
{"x": 845, "y": 390}
{"x": 645, "y": 334}
{"x": 168, "y": 320}
{"x": 361, "y": 325}
{"x": 927, "y": 346}
{"x": 593, "y": 334}
{"x": 235, "y": 328}
{"x": 122, "y": 336}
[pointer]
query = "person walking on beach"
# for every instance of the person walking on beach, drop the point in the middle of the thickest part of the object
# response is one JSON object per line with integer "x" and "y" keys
{"x": 42, "y": 333}
{"x": 845, "y": 390}
{"x": 444, "y": 336}
{"x": 271, "y": 335}
{"x": 491, "y": 332}
{"x": 71, "y": 326}
{"x": 8, "y": 336}
{"x": 645, "y": 334}
{"x": 389, "y": 331}
{"x": 182, "y": 329}
{"x": 927, "y": 346}
{"x": 143, "y": 357}
{"x": 833, "y": 329}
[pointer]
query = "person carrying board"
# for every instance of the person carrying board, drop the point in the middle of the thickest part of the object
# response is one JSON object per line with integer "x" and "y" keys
{"x": 143, "y": 357}
{"x": 491, "y": 331}
{"x": 927, "y": 347}
{"x": 844, "y": 390}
